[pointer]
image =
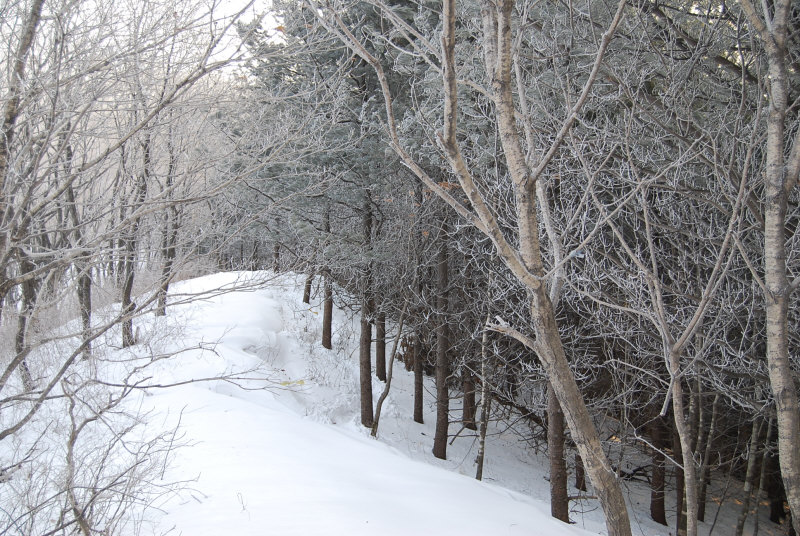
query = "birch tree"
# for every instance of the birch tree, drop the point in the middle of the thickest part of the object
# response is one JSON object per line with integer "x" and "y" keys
{"x": 776, "y": 28}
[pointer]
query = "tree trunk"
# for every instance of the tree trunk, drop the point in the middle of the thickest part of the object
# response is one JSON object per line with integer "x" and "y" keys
{"x": 762, "y": 479}
{"x": 580, "y": 474}
{"x": 780, "y": 179}
{"x": 688, "y": 511}
{"x": 442, "y": 347}
{"x": 276, "y": 257}
{"x": 23, "y": 322}
{"x": 307, "y": 289}
{"x": 84, "y": 269}
{"x": 749, "y": 480}
{"x": 559, "y": 498}
{"x": 327, "y": 305}
{"x": 774, "y": 489}
{"x": 380, "y": 346}
{"x": 85, "y": 305}
{"x": 486, "y": 401}
{"x": 365, "y": 363}
{"x": 128, "y": 306}
{"x": 658, "y": 476}
{"x": 546, "y": 340}
{"x": 469, "y": 409}
{"x": 130, "y": 244}
{"x": 680, "y": 486}
{"x": 365, "y": 345}
{"x": 419, "y": 388}
{"x": 327, "y": 314}
{"x": 385, "y": 392}
{"x": 166, "y": 270}
{"x": 705, "y": 467}
{"x": 170, "y": 233}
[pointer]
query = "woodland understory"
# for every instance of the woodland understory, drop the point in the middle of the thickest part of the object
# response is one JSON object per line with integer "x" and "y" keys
{"x": 579, "y": 212}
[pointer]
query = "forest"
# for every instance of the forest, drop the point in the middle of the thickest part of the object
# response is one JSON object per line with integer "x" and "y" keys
{"x": 582, "y": 214}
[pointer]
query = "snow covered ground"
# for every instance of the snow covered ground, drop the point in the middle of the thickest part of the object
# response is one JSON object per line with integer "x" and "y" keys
{"x": 282, "y": 452}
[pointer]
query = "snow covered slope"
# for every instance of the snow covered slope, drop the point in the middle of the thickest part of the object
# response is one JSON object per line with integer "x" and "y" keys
{"x": 290, "y": 459}
{"x": 281, "y": 452}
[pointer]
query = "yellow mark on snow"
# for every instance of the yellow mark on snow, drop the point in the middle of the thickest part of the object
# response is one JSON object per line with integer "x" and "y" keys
{"x": 289, "y": 383}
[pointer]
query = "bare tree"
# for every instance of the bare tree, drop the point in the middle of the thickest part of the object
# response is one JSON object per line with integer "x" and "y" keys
{"x": 782, "y": 167}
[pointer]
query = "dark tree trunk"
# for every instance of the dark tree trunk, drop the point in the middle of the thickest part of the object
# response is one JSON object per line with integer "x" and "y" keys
{"x": 774, "y": 485}
{"x": 469, "y": 408}
{"x": 580, "y": 473}
{"x": 128, "y": 307}
{"x": 418, "y": 377}
{"x": 327, "y": 314}
{"x": 559, "y": 498}
{"x": 365, "y": 364}
{"x": 85, "y": 305}
{"x": 658, "y": 476}
{"x": 327, "y": 306}
{"x": 442, "y": 347}
{"x": 380, "y": 346}
{"x": 166, "y": 269}
{"x": 365, "y": 345}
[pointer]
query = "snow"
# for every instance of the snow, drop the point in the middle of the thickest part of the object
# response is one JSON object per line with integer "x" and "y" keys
{"x": 290, "y": 459}
{"x": 280, "y": 450}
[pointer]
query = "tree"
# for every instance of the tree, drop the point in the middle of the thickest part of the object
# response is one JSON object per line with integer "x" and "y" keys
{"x": 525, "y": 261}
{"x": 774, "y": 28}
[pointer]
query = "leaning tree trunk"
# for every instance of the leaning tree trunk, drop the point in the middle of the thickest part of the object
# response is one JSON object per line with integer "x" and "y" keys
{"x": 547, "y": 340}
